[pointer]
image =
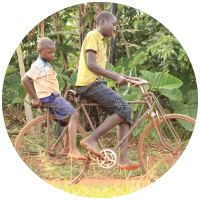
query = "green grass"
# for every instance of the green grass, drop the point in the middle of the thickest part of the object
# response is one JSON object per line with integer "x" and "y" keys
{"x": 59, "y": 167}
{"x": 96, "y": 191}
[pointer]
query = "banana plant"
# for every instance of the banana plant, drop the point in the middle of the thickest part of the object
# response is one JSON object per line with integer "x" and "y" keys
{"x": 13, "y": 91}
{"x": 188, "y": 108}
{"x": 182, "y": 101}
{"x": 176, "y": 96}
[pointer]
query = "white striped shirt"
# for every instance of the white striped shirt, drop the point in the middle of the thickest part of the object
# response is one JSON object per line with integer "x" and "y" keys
{"x": 44, "y": 78}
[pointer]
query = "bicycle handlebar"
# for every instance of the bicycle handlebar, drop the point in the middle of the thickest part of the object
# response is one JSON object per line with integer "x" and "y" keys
{"x": 141, "y": 82}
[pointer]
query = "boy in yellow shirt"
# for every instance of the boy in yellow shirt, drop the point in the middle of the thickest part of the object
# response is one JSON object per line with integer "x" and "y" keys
{"x": 90, "y": 82}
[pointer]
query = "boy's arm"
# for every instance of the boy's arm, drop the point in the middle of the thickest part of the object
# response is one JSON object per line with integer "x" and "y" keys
{"x": 92, "y": 66}
{"x": 28, "y": 85}
{"x": 127, "y": 77}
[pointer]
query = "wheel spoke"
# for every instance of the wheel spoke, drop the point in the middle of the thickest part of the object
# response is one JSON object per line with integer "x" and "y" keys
{"x": 154, "y": 158}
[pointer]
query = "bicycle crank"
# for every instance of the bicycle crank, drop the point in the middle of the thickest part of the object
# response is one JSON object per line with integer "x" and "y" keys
{"x": 110, "y": 159}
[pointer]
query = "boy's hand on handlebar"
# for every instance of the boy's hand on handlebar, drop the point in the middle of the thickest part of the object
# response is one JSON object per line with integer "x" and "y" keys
{"x": 121, "y": 80}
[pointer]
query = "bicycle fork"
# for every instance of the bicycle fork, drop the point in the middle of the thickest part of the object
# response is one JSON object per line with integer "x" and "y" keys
{"x": 156, "y": 122}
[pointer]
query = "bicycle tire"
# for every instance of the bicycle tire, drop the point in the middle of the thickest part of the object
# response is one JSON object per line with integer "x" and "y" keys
{"x": 31, "y": 147}
{"x": 154, "y": 159}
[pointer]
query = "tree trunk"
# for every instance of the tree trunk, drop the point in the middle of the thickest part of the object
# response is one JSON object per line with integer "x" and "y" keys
{"x": 90, "y": 23}
{"x": 31, "y": 33}
{"x": 41, "y": 29}
{"x": 27, "y": 107}
{"x": 98, "y": 7}
{"x": 91, "y": 17}
{"x": 81, "y": 25}
{"x": 69, "y": 86}
{"x": 57, "y": 24}
{"x": 41, "y": 35}
{"x": 113, "y": 40}
{"x": 66, "y": 91}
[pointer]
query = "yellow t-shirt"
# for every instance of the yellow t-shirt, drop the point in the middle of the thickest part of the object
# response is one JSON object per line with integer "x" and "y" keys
{"x": 96, "y": 42}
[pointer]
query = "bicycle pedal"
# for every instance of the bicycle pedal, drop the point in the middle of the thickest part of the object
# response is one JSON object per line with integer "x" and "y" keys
{"x": 88, "y": 149}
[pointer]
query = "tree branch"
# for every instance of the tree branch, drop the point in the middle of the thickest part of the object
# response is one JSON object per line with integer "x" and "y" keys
{"x": 57, "y": 25}
{"x": 124, "y": 41}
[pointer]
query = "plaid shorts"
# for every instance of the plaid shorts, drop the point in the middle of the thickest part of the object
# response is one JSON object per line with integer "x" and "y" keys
{"x": 109, "y": 100}
{"x": 61, "y": 108}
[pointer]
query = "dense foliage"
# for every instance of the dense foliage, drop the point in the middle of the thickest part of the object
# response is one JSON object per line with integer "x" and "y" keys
{"x": 155, "y": 55}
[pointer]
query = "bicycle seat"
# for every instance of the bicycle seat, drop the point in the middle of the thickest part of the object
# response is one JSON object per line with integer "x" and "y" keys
{"x": 71, "y": 95}
{"x": 75, "y": 97}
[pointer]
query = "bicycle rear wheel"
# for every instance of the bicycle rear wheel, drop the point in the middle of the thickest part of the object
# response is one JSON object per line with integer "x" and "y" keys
{"x": 154, "y": 158}
{"x": 31, "y": 145}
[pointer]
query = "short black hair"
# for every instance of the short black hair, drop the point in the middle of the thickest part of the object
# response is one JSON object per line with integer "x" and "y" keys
{"x": 44, "y": 42}
{"x": 103, "y": 15}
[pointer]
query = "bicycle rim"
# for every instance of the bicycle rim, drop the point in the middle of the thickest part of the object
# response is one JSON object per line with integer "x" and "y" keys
{"x": 31, "y": 145}
{"x": 154, "y": 158}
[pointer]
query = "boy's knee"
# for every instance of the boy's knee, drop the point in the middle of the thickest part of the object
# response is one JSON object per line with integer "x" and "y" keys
{"x": 125, "y": 113}
{"x": 75, "y": 115}
{"x": 128, "y": 110}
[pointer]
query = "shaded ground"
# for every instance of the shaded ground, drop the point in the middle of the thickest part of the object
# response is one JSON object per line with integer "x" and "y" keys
{"x": 59, "y": 168}
{"x": 13, "y": 117}
{"x": 137, "y": 181}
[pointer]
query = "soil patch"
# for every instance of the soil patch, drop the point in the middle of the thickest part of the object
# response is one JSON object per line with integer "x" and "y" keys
{"x": 13, "y": 117}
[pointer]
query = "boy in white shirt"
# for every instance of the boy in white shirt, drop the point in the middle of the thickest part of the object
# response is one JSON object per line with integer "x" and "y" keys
{"x": 42, "y": 85}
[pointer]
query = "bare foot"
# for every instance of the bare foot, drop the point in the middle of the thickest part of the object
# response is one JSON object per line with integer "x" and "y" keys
{"x": 128, "y": 165}
{"x": 65, "y": 150}
{"x": 76, "y": 155}
{"x": 91, "y": 144}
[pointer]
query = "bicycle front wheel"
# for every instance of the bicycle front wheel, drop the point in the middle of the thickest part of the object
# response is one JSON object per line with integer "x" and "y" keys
{"x": 154, "y": 158}
{"x": 31, "y": 145}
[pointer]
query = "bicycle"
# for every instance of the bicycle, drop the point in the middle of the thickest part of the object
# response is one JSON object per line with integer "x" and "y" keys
{"x": 161, "y": 142}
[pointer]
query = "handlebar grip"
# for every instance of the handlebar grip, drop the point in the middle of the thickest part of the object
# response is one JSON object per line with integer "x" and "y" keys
{"x": 139, "y": 82}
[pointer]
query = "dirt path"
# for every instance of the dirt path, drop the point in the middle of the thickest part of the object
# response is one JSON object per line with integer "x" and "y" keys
{"x": 133, "y": 182}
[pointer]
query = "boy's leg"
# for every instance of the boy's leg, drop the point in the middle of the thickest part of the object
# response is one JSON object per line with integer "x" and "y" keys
{"x": 63, "y": 109}
{"x": 109, "y": 123}
{"x": 66, "y": 143}
{"x": 91, "y": 141}
{"x": 73, "y": 122}
{"x": 119, "y": 109}
{"x": 99, "y": 92}
{"x": 124, "y": 162}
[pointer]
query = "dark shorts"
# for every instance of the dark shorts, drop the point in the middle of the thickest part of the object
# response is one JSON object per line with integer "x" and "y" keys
{"x": 61, "y": 108}
{"x": 110, "y": 101}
